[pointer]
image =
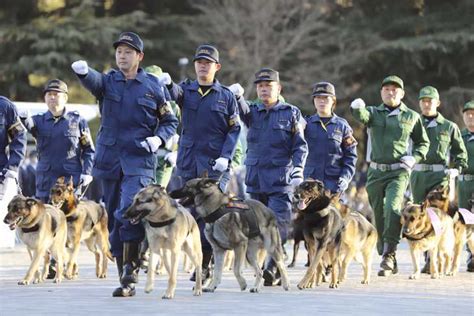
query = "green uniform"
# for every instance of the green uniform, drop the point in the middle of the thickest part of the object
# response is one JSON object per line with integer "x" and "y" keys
{"x": 163, "y": 168}
{"x": 389, "y": 135}
{"x": 466, "y": 179}
{"x": 445, "y": 144}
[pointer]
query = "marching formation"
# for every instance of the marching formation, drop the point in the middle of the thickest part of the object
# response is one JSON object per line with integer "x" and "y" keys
{"x": 297, "y": 173}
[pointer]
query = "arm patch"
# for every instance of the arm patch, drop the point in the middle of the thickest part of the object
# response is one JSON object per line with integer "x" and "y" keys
{"x": 349, "y": 141}
{"x": 15, "y": 129}
{"x": 164, "y": 109}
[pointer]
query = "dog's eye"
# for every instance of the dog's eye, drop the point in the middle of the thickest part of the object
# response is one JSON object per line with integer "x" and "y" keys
{"x": 412, "y": 219}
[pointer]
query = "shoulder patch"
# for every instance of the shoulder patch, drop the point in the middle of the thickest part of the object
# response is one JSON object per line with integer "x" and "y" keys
{"x": 349, "y": 141}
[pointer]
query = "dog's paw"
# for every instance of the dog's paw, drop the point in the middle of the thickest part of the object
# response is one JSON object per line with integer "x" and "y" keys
{"x": 365, "y": 281}
{"x": 435, "y": 275}
{"x": 167, "y": 296}
{"x": 450, "y": 273}
{"x": 57, "y": 280}
{"x": 254, "y": 290}
{"x": 23, "y": 282}
{"x": 286, "y": 287}
{"x": 197, "y": 292}
{"x": 414, "y": 276}
{"x": 102, "y": 276}
{"x": 148, "y": 289}
{"x": 243, "y": 287}
{"x": 209, "y": 289}
{"x": 305, "y": 285}
{"x": 333, "y": 285}
{"x": 291, "y": 265}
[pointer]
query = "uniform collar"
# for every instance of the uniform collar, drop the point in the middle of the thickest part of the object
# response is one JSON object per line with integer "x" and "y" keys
{"x": 216, "y": 86}
{"x": 401, "y": 108}
{"x": 317, "y": 118}
{"x": 140, "y": 77}
{"x": 279, "y": 106}
{"x": 438, "y": 121}
{"x": 49, "y": 116}
{"x": 465, "y": 132}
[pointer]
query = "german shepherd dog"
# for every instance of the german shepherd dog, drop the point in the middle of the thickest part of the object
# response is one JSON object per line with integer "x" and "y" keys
{"x": 86, "y": 220}
{"x": 323, "y": 227}
{"x": 298, "y": 237}
{"x": 439, "y": 198}
{"x": 42, "y": 228}
{"x": 430, "y": 229}
{"x": 170, "y": 228}
{"x": 248, "y": 227}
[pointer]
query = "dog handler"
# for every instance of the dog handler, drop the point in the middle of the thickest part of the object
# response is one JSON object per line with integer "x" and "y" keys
{"x": 276, "y": 152}
{"x": 135, "y": 122}
{"x": 390, "y": 127}
{"x": 332, "y": 150}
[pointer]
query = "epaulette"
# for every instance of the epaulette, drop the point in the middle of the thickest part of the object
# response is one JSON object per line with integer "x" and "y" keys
{"x": 111, "y": 71}
{"x": 186, "y": 81}
{"x": 75, "y": 112}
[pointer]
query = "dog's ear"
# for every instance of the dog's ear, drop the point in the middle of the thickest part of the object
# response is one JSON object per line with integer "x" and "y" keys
{"x": 205, "y": 174}
{"x": 30, "y": 202}
{"x": 60, "y": 180}
{"x": 208, "y": 182}
{"x": 70, "y": 185}
{"x": 424, "y": 206}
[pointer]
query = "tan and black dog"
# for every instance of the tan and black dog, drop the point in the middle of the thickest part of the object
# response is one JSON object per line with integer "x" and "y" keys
{"x": 169, "y": 228}
{"x": 428, "y": 229}
{"x": 43, "y": 230}
{"x": 86, "y": 220}
{"x": 439, "y": 198}
{"x": 322, "y": 229}
{"x": 248, "y": 227}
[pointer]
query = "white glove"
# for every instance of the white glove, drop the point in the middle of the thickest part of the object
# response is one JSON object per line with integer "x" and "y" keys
{"x": 172, "y": 142}
{"x": 85, "y": 179}
{"x": 296, "y": 176}
{"x": 171, "y": 157}
{"x": 11, "y": 174}
{"x": 80, "y": 67}
{"x": 452, "y": 173}
{"x": 408, "y": 162}
{"x": 165, "y": 78}
{"x": 221, "y": 164}
{"x": 151, "y": 144}
{"x": 237, "y": 89}
{"x": 358, "y": 104}
{"x": 343, "y": 184}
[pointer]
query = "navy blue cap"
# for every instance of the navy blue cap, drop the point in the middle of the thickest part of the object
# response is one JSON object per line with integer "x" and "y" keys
{"x": 324, "y": 89}
{"x": 55, "y": 85}
{"x": 208, "y": 52}
{"x": 267, "y": 74}
{"x": 131, "y": 39}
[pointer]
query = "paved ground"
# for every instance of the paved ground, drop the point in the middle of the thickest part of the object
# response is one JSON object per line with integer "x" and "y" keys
{"x": 389, "y": 296}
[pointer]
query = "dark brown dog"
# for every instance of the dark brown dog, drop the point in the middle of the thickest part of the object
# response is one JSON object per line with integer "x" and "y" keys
{"x": 86, "y": 220}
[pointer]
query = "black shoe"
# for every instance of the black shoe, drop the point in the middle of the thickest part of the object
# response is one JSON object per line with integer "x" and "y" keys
{"x": 52, "y": 269}
{"x": 125, "y": 291}
{"x": 389, "y": 261}
{"x": 131, "y": 264}
{"x": 206, "y": 274}
{"x": 271, "y": 275}
{"x": 426, "y": 267}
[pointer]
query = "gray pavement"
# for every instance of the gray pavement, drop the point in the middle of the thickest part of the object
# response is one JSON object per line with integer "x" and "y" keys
{"x": 87, "y": 295}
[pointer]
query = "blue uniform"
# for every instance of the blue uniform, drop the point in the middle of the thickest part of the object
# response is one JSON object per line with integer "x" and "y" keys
{"x": 12, "y": 135}
{"x": 131, "y": 111}
{"x": 210, "y": 130}
{"x": 64, "y": 149}
{"x": 275, "y": 145}
{"x": 332, "y": 151}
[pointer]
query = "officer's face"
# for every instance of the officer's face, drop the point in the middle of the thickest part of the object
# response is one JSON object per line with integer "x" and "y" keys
{"x": 206, "y": 69}
{"x": 468, "y": 117}
{"x": 324, "y": 105}
{"x": 268, "y": 91}
{"x": 428, "y": 106}
{"x": 127, "y": 58}
{"x": 56, "y": 101}
{"x": 392, "y": 94}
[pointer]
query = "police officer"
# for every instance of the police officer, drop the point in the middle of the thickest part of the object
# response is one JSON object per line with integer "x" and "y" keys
{"x": 210, "y": 126}
{"x": 276, "y": 152}
{"x": 13, "y": 137}
{"x": 332, "y": 149}
{"x": 466, "y": 179}
{"x": 136, "y": 121}
{"x": 390, "y": 127}
{"x": 445, "y": 145}
{"x": 64, "y": 143}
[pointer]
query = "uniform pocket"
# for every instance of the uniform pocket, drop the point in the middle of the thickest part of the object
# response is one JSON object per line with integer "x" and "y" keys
{"x": 281, "y": 133}
{"x": 185, "y": 159}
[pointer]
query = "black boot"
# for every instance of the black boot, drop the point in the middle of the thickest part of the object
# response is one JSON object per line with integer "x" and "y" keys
{"x": 389, "y": 262}
{"x": 426, "y": 267}
{"x": 129, "y": 272}
{"x": 206, "y": 266}
{"x": 52, "y": 269}
{"x": 470, "y": 261}
{"x": 271, "y": 275}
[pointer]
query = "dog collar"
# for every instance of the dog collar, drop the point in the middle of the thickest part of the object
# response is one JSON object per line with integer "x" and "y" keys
{"x": 162, "y": 224}
{"x": 30, "y": 229}
{"x": 70, "y": 219}
{"x": 419, "y": 238}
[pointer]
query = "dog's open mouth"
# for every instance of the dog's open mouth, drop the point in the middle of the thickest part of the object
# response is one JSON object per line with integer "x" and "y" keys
{"x": 136, "y": 218}
{"x": 15, "y": 223}
{"x": 303, "y": 204}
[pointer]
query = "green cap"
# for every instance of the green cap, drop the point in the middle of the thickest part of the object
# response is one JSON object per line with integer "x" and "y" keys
{"x": 393, "y": 79}
{"x": 154, "y": 70}
{"x": 468, "y": 106}
{"x": 429, "y": 92}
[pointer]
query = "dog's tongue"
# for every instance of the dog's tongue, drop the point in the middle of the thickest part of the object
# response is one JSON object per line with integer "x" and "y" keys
{"x": 301, "y": 205}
